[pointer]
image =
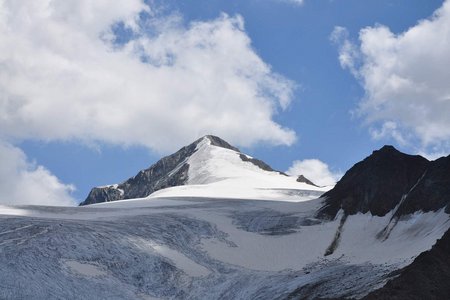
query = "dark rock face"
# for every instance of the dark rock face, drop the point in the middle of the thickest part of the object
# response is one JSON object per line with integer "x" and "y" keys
{"x": 432, "y": 191}
{"x": 217, "y": 141}
{"x": 375, "y": 184}
{"x": 259, "y": 163}
{"x": 303, "y": 179}
{"x": 389, "y": 179}
{"x": 169, "y": 171}
{"x": 103, "y": 194}
{"x": 428, "y": 277}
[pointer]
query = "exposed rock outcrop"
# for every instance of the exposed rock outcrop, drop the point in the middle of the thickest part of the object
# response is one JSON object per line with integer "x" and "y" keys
{"x": 303, "y": 179}
{"x": 169, "y": 171}
{"x": 428, "y": 277}
{"x": 388, "y": 180}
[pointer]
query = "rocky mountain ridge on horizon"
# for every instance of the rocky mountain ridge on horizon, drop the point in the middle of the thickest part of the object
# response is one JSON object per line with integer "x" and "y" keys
{"x": 385, "y": 180}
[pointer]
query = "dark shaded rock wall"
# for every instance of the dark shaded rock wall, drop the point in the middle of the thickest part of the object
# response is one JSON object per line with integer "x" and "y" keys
{"x": 169, "y": 171}
{"x": 428, "y": 277}
{"x": 432, "y": 191}
{"x": 303, "y": 179}
{"x": 376, "y": 184}
{"x": 259, "y": 163}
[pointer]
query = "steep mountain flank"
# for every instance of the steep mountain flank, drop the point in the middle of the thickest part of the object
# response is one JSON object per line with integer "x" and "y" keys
{"x": 432, "y": 191}
{"x": 209, "y": 160}
{"x": 389, "y": 179}
{"x": 376, "y": 184}
{"x": 169, "y": 171}
{"x": 428, "y": 277}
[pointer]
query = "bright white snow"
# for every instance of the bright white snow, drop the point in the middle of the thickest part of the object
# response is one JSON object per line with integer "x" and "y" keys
{"x": 217, "y": 171}
{"x": 209, "y": 247}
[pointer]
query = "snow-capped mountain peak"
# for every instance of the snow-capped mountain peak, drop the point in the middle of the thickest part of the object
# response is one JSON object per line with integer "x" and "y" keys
{"x": 209, "y": 167}
{"x": 213, "y": 140}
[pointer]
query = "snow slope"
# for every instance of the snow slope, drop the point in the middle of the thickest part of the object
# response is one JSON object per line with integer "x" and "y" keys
{"x": 215, "y": 170}
{"x": 200, "y": 248}
{"x": 208, "y": 167}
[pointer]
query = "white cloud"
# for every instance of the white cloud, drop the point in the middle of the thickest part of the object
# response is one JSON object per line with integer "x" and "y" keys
{"x": 348, "y": 52}
{"x": 406, "y": 79}
{"x": 63, "y": 78}
{"x": 23, "y": 182}
{"x": 315, "y": 170}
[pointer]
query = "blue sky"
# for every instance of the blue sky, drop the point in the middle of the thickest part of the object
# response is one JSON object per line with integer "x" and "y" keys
{"x": 326, "y": 79}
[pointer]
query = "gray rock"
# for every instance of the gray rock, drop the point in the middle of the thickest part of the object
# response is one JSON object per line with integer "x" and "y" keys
{"x": 169, "y": 171}
{"x": 303, "y": 179}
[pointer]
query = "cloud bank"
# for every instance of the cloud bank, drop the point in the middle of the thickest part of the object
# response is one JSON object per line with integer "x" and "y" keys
{"x": 406, "y": 79}
{"x": 315, "y": 170}
{"x": 64, "y": 76}
{"x": 118, "y": 72}
{"x": 25, "y": 182}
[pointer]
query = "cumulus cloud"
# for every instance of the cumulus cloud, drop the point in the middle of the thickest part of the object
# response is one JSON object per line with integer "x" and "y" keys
{"x": 348, "y": 52}
{"x": 406, "y": 79}
{"x": 119, "y": 72}
{"x": 315, "y": 170}
{"x": 24, "y": 182}
{"x": 64, "y": 76}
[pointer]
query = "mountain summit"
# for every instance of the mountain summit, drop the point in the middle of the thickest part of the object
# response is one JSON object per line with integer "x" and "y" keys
{"x": 209, "y": 167}
{"x": 390, "y": 180}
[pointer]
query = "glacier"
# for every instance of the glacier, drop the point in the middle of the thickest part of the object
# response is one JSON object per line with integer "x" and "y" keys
{"x": 201, "y": 248}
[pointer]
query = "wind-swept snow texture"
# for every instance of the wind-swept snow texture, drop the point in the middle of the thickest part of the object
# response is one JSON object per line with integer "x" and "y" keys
{"x": 198, "y": 248}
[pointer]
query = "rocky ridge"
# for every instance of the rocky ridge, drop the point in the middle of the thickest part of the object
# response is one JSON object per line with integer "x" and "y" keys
{"x": 170, "y": 171}
{"x": 390, "y": 180}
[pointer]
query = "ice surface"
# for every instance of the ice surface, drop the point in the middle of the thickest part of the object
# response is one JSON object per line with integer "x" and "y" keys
{"x": 198, "y": 248}
{"x": 181, "y": 261}
{"x": 85, "y": 269}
